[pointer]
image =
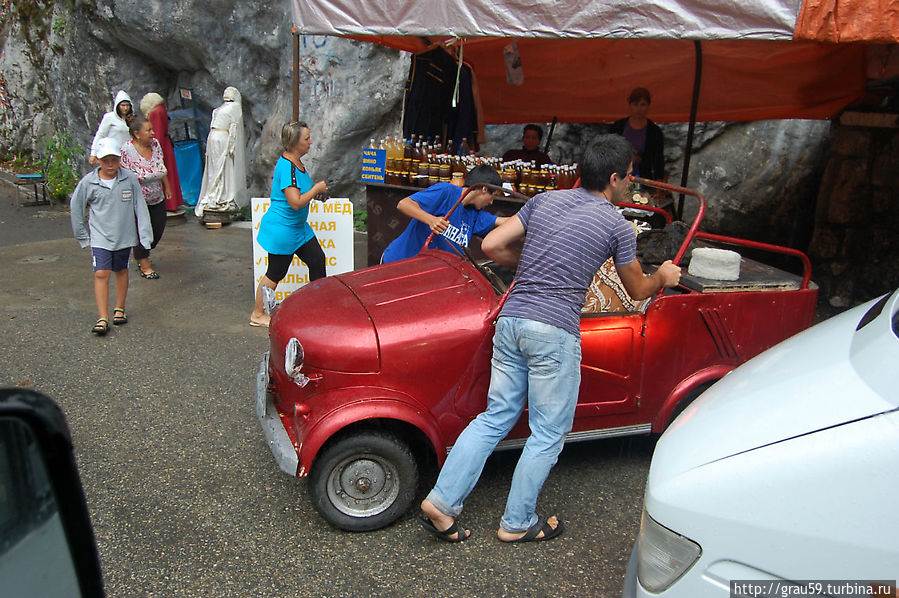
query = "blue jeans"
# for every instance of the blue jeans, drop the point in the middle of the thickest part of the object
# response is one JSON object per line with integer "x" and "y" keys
{"x": 533, "y": 363}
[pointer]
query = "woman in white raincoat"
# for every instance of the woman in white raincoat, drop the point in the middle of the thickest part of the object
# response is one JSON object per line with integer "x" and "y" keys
{"x": 224, "y": 186}
{"x": 113, "y": 125}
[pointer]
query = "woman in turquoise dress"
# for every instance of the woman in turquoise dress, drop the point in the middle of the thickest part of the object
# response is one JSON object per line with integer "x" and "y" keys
{"x": 284, "y": 231}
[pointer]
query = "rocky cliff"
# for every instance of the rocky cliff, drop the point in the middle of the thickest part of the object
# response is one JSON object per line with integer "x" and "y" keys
{"x": 62, "y": 62}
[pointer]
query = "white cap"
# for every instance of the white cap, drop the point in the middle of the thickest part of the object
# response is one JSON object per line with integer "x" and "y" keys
{"x": 108, "y": 147}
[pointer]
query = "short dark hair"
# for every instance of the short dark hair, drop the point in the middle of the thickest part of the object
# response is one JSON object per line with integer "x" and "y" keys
{"x": 637, "y": 94}
{"x": 536, "y": 128}
{"x": 608, "y": 154}
{"x": 135, "y": 122}
{"x": 483, "y": 174}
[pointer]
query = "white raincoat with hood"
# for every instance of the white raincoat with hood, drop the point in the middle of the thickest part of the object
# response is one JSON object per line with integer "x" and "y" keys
{"x": 113, "y": 125}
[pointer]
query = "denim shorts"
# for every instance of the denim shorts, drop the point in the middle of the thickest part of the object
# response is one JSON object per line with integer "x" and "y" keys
{"x": 104, "y": 259}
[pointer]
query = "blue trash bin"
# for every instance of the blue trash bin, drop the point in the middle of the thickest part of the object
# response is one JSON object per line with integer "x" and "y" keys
{"x": 190, "y": 169}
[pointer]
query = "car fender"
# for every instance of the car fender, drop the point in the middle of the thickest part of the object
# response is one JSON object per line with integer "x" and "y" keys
{"x": 683, "y": 390}
{"x": 386, "y": 404}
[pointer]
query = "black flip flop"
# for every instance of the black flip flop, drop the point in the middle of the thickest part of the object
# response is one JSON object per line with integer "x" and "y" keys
{"x": 541, "y": 526}
{"x": 444, "y": 535}
{"x": 101, "y": 327}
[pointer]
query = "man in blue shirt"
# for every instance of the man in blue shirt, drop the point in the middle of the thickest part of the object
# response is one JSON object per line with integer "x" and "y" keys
{"x": 428, "y": 208}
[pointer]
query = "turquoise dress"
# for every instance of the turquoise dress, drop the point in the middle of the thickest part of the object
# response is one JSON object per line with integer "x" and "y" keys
{"x": 283, "y": 230}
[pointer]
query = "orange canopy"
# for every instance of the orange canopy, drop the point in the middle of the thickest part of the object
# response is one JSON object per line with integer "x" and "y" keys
{"x": 840, "y": 21}
{"x": 581, "y": 59}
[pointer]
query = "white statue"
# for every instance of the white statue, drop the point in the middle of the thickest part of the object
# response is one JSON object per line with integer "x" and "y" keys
{"x": 224, "y": 187}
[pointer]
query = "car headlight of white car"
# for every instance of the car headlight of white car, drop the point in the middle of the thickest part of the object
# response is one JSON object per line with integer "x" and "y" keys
{"x": 663, "y": 555}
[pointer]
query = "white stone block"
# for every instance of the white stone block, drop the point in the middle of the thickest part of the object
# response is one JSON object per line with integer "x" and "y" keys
{"x": 714, "y": 264}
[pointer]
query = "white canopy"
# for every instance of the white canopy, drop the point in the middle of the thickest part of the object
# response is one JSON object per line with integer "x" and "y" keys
{"x": 660, "y": 19}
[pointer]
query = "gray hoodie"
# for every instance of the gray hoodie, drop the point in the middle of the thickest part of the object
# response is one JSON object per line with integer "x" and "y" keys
{"x": 105, "y": 218}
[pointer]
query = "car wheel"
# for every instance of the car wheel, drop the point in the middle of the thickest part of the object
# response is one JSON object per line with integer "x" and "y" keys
{"x": 364, "y": 481}
{"x": 689, "y": 399}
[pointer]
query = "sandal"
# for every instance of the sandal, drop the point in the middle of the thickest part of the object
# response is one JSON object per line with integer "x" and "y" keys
{"x": 444, "y": 535}
{"x": 151, "y": 275}
{"x": 101, "y": 327}
{"x": 541, "y": 526}
{"x": 117, "y": 319}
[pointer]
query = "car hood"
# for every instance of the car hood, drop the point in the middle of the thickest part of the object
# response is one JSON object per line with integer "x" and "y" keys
{"x": 828, "y": 375}
{"x": 355, "y": 321}
{"x": 336, "y": 332}
{"x": 424, "y": 297}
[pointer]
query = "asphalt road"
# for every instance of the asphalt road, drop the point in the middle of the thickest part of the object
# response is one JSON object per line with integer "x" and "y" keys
{"x": 185, "y": 497}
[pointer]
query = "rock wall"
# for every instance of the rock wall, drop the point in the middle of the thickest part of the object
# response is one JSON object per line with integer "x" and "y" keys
{"x": 62, "y": 63}
{"x": 855, "y": 249}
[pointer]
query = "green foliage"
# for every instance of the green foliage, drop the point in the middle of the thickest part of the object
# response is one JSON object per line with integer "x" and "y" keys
{"x": 244, "y": 214}
{"x": 22, "y": 163}
{"x": 59, "y": 26}
{"x": 360, "y": 219}
{"x": 61, "y": 174}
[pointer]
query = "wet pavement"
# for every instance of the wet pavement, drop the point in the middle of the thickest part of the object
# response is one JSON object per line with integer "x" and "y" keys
{"x": 185, "y": 497}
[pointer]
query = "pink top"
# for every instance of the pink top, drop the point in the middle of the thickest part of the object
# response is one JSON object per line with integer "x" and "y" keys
{"x": 149, "y": 172}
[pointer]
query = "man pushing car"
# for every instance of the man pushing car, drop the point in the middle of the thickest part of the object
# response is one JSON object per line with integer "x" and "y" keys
{"x": 567, "y": 236}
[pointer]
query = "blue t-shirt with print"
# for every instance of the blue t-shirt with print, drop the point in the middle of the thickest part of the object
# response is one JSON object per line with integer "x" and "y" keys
{"x": 283, "y": 230}
{"x": 438, "y": 199}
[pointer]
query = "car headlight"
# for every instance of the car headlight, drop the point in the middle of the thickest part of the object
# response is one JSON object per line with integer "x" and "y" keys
{"x": 662, "y": 555}
{"x": 293, "y": 362}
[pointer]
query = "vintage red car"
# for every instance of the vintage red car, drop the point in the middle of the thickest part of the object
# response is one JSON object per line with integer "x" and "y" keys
{"x": 372, "y": 374}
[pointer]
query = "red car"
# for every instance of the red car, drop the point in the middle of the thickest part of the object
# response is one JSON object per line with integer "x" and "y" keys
{"x": 373, "y": 374}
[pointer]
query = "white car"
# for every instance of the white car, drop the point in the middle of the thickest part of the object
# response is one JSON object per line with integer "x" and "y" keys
{"x": 782, "y": 479}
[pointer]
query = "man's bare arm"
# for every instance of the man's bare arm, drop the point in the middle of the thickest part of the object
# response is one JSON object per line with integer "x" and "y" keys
{"x": 410, "y": 208}
{"x": 640, "y": 286}
{"x": 503, "y": 243}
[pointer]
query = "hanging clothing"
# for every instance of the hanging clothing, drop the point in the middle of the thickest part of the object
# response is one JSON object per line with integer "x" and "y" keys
{"x": 429, "y": 91}
{"x": 224, "y": 186}
{"x": 462, "y": 121}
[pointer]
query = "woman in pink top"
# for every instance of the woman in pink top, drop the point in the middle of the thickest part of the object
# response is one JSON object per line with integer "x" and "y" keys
{"x": 142, "y": 155}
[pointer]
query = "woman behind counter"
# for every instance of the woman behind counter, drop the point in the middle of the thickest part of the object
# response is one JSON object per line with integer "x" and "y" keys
{"x": 644, "y": 135}
{"x": 283, "y": 231}
{"x": 142, "y": 155}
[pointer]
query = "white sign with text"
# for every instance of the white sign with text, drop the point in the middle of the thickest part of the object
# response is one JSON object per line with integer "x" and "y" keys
{"x": 332, "y": 223}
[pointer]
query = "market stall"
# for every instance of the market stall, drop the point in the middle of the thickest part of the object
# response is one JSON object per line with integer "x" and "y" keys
{"x": 574, "y": 62}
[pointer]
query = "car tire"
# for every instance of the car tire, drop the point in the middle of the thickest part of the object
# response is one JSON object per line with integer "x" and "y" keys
{"x": 364, "y": 481}
{"x": 688, "y": 400}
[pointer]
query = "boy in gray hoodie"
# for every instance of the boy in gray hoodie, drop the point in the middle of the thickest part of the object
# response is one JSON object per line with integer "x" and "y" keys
{"x": 109, "y": 215}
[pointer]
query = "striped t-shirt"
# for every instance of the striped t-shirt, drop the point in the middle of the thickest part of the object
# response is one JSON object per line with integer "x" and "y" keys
{"x": 569, "y": 234}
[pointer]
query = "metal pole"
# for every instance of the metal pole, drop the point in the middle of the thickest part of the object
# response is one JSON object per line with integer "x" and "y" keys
{"x": 549, "y": 136}
{"x": 296, "y": 74}
{"x": 697, "y": 80}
